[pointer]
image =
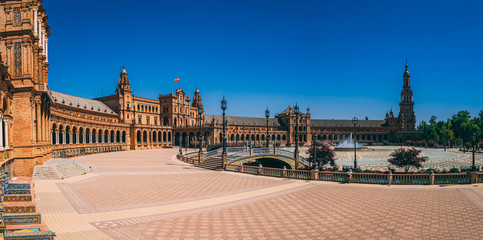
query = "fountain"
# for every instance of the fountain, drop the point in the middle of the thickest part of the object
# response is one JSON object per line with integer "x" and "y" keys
{"x": 348, "y": 145}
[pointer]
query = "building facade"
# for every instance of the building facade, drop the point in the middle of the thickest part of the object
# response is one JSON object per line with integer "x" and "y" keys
{"x": 37, "y": 123}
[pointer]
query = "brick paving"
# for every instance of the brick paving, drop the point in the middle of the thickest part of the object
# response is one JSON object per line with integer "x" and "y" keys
{"x": 149, "y": 195}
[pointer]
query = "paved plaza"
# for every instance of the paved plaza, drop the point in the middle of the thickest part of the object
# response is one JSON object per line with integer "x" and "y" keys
{"x": 151, "y": 195}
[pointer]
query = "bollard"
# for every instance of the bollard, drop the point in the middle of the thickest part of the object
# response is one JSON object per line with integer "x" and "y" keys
{"x": 474, "y": 177}
{"x": 431, "y": 178}
{"x": 389, "y": 178}
{"x": 259, "y": 169}
{"x": 284, "y": 172}
{"x": 314, "y": 174}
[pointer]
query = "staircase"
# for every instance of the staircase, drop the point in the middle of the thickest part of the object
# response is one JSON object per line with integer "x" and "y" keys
{"x": 213, "y": 163}
{"x": 18, "y": 211}
{"x": 58, "y": 168}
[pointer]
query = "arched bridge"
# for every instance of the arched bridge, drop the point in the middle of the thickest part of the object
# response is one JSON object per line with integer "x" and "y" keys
{"x": 241, "y": 155}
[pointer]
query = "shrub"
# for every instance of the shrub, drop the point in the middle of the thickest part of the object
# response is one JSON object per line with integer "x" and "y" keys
{"x": 386, "y": 143}
{"x": 407, "y": 158}
{"x": 454, "y": 170}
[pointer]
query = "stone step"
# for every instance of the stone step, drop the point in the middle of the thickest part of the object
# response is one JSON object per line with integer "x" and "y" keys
{"x": 17, "y": 198}
{"x": 21, "y": 218}
{"x": 19, "y": 207}
{"x": 21, "y": 232}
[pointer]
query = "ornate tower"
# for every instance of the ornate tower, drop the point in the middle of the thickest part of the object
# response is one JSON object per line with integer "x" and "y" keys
{"x": 24, "y": 47}
{"x": 197, "y": 103}
{"x": 125, "y": 98}
{"x": 407, "y": 119}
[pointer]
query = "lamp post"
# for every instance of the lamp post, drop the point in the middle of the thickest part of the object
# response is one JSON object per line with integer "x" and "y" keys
{"x": 250, "y": 138}
{"x": 355, "y": 120}
{"x": 314, "y": 140}
{"x": 200, "y": 138}
{"x": 296, "y": 111}
{"x": 473, "y": 167}
{"x": 267, "y": 115}
{"x": 223, "y": 107}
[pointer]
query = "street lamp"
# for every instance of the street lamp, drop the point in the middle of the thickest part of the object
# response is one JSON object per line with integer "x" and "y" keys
{"x": 355, "y": 120}
{"x": 314, "y": 140}
{"x": 200, "y": 112}
{"x": 296, "y": 111}
{"x": 473, "y": 168}
{"x": 267, "y": 115}
{"x": 223, "y": 107}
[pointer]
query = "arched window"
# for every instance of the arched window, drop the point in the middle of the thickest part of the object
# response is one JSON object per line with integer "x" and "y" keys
{"x": 139, "y": 137}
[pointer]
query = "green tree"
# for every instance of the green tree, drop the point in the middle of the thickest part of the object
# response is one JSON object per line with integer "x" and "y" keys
{"x": 407, "y": 158}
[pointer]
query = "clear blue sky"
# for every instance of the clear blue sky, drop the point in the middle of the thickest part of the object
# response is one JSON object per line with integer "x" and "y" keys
{"x": 340, "y": 58}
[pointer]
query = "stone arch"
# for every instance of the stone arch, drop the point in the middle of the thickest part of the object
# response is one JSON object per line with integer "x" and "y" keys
{"x": 75, "y": 134}
{"x": 123, "y": 136}
{"x": 284, "y": 137}
{"x": 164, "y": 137}
{"x": 88, "y": 134}
{"x": 99, "y": 135}
{"x": 169, "y": 136}
{"x": 94, "y": 135}
{"x": 106, "y": 136}
{"x": 112, "y": 136}
{"x": 177, "y": 139}
{"x": 118, "y": 136}
{"x": 61, "y": 134}
{"x": 138, "y": 137}
{"x": 68, "y": 133}
{"x": 81, "y": 135}
{"x": 154, "y": 137}
{"x": 160, "y": 137}
{"x": 145, "y": 137}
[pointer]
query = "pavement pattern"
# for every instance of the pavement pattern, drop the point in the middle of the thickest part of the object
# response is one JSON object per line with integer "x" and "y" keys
{"x": 151, "y": 195}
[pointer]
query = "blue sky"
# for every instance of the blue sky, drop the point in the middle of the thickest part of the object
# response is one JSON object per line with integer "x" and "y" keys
{"x": 340, "y": 58}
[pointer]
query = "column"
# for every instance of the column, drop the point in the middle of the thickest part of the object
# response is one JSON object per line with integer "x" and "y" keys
{"x": 108, "y": 138}
{"x": 90, "y": 138}
{"x": 77, "y": 138}
{"x": 35, "y": 22}
{"x": 47, "y": 49}
{"x": 83, "y": 138}
{"x": 51, "y": 139}
{"x": 39, "y": 122}
{"x": 1, "y": 134}
{"x": 102, "y": 138}
{"x": 63, "y": 138}
{"x": 56, "y": 138}
{"x": 71, "y": 137}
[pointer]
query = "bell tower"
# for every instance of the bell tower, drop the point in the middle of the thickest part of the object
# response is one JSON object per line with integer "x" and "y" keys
{"x": 125, "y": 98}
{"x": 407, "y": 119}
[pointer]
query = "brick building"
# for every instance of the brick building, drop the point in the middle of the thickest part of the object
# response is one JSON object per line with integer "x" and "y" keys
{"x": 37, "y": 123}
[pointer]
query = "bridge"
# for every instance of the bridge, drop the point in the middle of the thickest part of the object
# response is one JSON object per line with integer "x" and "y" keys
{"x": 245, "y": 156}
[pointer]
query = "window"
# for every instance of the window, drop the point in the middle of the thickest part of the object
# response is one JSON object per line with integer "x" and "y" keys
{"x": 147, "y": 120}
{"x": 155, "y": 120}
{"x": 140, "y": 119}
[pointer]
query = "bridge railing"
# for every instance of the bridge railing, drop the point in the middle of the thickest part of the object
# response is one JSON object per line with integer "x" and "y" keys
{"x": 367, "y": 178}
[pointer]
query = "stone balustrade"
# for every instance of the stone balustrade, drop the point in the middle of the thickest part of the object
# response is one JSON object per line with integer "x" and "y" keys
{"x": 367, "y": 178}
